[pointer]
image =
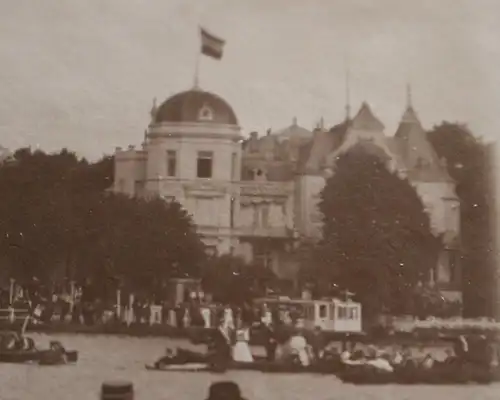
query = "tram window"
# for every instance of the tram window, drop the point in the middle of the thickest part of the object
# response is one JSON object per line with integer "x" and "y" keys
{"x": 354, "y": 313}
{"x": 342, "y": 312}
{"x": 322, "y": 311}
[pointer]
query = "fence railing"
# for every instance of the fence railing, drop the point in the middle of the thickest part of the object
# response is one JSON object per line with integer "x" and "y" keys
{"x": 11, "y": 314}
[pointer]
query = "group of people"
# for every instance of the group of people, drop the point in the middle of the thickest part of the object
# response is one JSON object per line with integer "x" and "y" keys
{"x": 475, "y": 350}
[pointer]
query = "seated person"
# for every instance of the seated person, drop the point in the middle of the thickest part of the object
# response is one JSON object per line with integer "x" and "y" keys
{"x": 380, "y": 361}
{"x": 17, "y": 342}
{"x": 427, "y": 362}
{"x": 59, "y": 350}
{"x": 296, "y": 349}
{"x": 356, "y": 358}
{"x": 169, "y": 358}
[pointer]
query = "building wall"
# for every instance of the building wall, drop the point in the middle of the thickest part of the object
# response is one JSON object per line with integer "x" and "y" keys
{"x": 310, "y": 216}
{"x": 442, "y": 205}
{"x": 260, "y": 209}
{"x": 130, "y": 168}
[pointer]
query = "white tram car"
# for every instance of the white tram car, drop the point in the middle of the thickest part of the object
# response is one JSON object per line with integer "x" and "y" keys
{"x": 331, "y": 315}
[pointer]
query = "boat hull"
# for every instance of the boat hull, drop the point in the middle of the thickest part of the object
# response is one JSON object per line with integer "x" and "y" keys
{"x": 434, "y": 376}
{"x": 37, "y": 356}
{"x": 258, "y": 366}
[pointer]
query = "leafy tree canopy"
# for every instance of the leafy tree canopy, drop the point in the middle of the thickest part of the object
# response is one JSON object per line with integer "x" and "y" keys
{"x": 232, "y": 281}
{"x": 470, "y": 163}
{"x": 57, "y": 220}
{"x": 377, "y": 240}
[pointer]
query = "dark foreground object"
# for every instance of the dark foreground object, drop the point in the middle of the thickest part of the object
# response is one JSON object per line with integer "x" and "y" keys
{"x": 224, "y": 390}
{"x": 18, "y": 350}
{"x": 117, "y": 391}
{"x": 43, "y": 357}
{"x": 439, "y": 375}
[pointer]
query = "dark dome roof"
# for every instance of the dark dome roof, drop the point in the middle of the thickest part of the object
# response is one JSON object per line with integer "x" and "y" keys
{"x": 196, "y": 106}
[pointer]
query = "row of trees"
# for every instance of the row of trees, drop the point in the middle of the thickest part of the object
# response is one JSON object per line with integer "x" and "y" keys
{"x": 377, "y": 239}
{"x": 59, "y": 220}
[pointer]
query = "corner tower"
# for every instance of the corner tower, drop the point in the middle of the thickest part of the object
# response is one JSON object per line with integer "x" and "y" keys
{"x": 192, "y": 154}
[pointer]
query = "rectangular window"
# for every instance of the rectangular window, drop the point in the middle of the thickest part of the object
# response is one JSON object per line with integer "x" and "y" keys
{"x": 255, "y": 222}
{"x": 171, "y": 163}
{"x": 231, "y": 213}
{"x": 204, "y": 164}
{"x": 264, "y": 215}
{"x": 121, "y": 185}
{"x": 234, "y": 171}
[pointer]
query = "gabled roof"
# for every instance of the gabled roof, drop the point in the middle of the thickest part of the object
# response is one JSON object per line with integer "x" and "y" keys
{"x": 365, "y": 120}
{"x": 313, "y": 154}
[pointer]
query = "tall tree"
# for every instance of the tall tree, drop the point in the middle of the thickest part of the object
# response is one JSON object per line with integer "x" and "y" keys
{"x": 58, "y": 221}
{"x": 470, "y": 163}
{"x": 230, "y": 280}
{"x": 377, "y": 239}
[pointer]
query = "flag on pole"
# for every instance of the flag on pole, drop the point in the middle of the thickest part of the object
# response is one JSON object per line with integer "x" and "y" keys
{"x": 211, "y": 45}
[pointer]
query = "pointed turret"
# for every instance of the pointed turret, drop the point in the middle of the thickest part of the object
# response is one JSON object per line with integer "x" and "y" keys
{"x": 365, "y": 120}
{"x": 409, "y": 116}
{"x": 419, "y": 157}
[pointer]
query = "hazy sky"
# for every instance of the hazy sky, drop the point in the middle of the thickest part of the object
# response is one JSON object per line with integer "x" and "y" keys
{"x": 82, "y": 74}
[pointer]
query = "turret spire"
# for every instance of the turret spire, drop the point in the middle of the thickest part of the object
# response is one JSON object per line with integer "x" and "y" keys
{"x": 409, "y": 102}
{"x": 347, "y": 89}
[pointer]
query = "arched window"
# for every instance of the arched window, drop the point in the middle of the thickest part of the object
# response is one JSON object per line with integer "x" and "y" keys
{"x": 205, "y": 113}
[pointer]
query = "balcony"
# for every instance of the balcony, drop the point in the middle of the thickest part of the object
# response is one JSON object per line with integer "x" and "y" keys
{"x": 271, "y": 232}
{"x": 266, "y": 189}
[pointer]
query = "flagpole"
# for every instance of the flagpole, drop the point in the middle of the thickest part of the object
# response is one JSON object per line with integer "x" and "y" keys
{"x": 197, "y": 66}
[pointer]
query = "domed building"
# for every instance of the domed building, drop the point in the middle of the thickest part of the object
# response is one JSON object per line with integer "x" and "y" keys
{"x": 257, "y": 196}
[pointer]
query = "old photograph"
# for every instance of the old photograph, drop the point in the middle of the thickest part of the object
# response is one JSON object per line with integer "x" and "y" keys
{"x": 249, "y": 199}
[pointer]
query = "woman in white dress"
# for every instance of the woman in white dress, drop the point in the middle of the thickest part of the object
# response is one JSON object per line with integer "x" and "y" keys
{"x": 241, "y": 349}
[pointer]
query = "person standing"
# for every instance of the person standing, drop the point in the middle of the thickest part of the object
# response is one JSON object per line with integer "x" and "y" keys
{"x": 317, "y": 342}
{"x": 271, "y": 342}
{"x": 222, "y": 346}
{"x": 241, "y": 349}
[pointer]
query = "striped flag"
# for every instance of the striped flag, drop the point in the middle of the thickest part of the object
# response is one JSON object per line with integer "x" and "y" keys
{"x": 211, "y": 45}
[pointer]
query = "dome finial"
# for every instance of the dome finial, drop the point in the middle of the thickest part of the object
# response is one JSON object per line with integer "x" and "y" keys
{"x": 154, "y": 110}
{"x": 294, "y": 121}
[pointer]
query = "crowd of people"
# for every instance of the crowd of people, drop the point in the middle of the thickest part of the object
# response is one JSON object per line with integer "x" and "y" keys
{"x": 290, "y": 344}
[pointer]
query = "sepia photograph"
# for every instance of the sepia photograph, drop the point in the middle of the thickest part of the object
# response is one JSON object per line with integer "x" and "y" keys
{"x": 249, "y": 199}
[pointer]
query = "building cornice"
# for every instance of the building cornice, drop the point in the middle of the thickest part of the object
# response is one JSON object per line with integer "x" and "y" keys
{"x": 194, "y": 130}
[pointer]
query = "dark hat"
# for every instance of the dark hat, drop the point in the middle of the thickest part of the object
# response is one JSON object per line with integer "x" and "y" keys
{"x": 225, "y": 390}
{"x": 117, "y": 391}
